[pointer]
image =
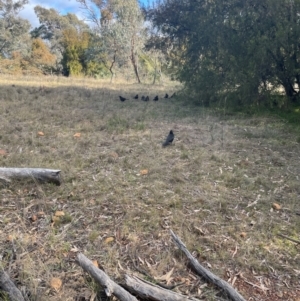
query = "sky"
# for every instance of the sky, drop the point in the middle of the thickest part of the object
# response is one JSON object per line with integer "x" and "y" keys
{"x": 63, "y": 7}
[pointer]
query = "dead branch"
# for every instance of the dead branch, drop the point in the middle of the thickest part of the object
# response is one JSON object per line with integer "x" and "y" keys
{"x": 147, "y": 290}
{"x": 111, "y": 288}
{"x": 8, "y": 286}
{"x": 41, "y": 175}
{"x": 203, "y": 272}
{"x": 289, "y": 238}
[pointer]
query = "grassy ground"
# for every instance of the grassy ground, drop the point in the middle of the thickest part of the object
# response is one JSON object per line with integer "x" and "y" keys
{"x": 215, "y": 188}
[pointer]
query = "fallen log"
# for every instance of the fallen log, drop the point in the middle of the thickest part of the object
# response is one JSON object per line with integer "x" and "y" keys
{"x": 110, "y": 287}
{"x": 8, "y": 286}
{"x": 149, "y": 291}
{"x": 203, "y": 272}
{"x": 40, "y": 175}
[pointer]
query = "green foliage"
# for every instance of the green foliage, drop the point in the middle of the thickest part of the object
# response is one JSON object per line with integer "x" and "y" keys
{"x": 75, "y": 43}
{"x": 97, "y": 70}
{"x": 52, "y": 23}
{"x": 52, "y": 28}
{"x": 119, "y": 35}
{"x": 233, "y": 51}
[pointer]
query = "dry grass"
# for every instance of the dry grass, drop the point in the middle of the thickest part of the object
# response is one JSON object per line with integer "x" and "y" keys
{"x": 214, "y": 187}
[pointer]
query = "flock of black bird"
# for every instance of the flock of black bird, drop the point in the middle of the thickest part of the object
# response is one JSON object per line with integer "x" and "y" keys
{"x": 146, "y": 98}
{"x": 171, "y": 135}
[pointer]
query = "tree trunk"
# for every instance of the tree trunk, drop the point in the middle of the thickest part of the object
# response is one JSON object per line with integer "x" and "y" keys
{"x": 288, "y": 88}
{"x": 155, "y": 70}
{"x": 37, "y": 174}
{"x": 110, "y": 68}
{"x": 111, "y": 72}
{"x": 133, "y": 61}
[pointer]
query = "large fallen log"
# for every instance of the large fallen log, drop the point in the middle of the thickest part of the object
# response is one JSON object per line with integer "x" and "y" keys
{"x": 203, "y": 272}
{"x": 8, "y": 286}
{"x": 40, "y": 175}
{"x": 149, "y": 291}
{"x": 110, "y": 287}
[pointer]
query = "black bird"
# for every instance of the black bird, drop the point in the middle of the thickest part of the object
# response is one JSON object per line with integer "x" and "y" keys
{"x": 155, "y": 98}
{"x": 143, "y": 97}
{"x": 147, "y": 98}
{"x": 122, "y": 98}
{"x": 169, "y": 139}
{"x": 136, "y": 96}
{"x": 166, "y": 96}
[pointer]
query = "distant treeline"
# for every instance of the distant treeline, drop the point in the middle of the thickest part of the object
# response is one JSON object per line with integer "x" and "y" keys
{"x": 224, "y": 52}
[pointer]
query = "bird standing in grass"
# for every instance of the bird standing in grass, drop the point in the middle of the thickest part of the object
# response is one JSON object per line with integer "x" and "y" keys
{"x": 136, "y": 96}
{"x": 122, "y": 98}
{"x": 169, "y": 139}
{"x": 143, "y": 97}
{"x": 155, "y": 98}
{"x": 147, "y": 98}
{"x": 166, "y": 96}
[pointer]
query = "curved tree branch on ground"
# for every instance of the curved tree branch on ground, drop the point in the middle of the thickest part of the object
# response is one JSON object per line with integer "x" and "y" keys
{"x": 111, "y": 288}
{"x": 203, "y": 272}
{"x": 149, "y": 291}
{"x": 8, "y": 286}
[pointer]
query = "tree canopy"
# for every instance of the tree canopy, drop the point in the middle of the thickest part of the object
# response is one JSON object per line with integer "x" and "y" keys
{"x": 14, "y": 31}
{"x": 233, "y": 49}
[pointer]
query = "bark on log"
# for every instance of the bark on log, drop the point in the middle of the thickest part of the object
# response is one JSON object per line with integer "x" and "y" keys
{"x": 147, "y": 290}
{"x": 111, "y": 288}
{"x": 8, "y": 286}
{"x": 39, "y": 174}
{"x": 203, "y": 272}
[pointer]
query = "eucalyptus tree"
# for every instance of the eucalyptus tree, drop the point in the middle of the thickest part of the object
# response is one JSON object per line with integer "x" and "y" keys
{"x": 119, "y": 32}
{"x": 53, "y": 24}
{"x": 14, "y": 31}
{"x": 52, "y": 29}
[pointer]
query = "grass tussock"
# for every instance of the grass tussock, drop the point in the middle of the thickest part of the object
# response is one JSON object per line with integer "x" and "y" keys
{"x": 214, "y": 187}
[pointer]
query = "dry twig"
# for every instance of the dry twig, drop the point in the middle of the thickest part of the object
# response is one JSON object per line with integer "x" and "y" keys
{"x": 291, "y": 239}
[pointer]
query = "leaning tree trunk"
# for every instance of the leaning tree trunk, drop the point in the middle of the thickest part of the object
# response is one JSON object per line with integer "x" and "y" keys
{"x": 133, "y": 60}
{"x": 111, "y": 67}
{"x": 155, "y": 72}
